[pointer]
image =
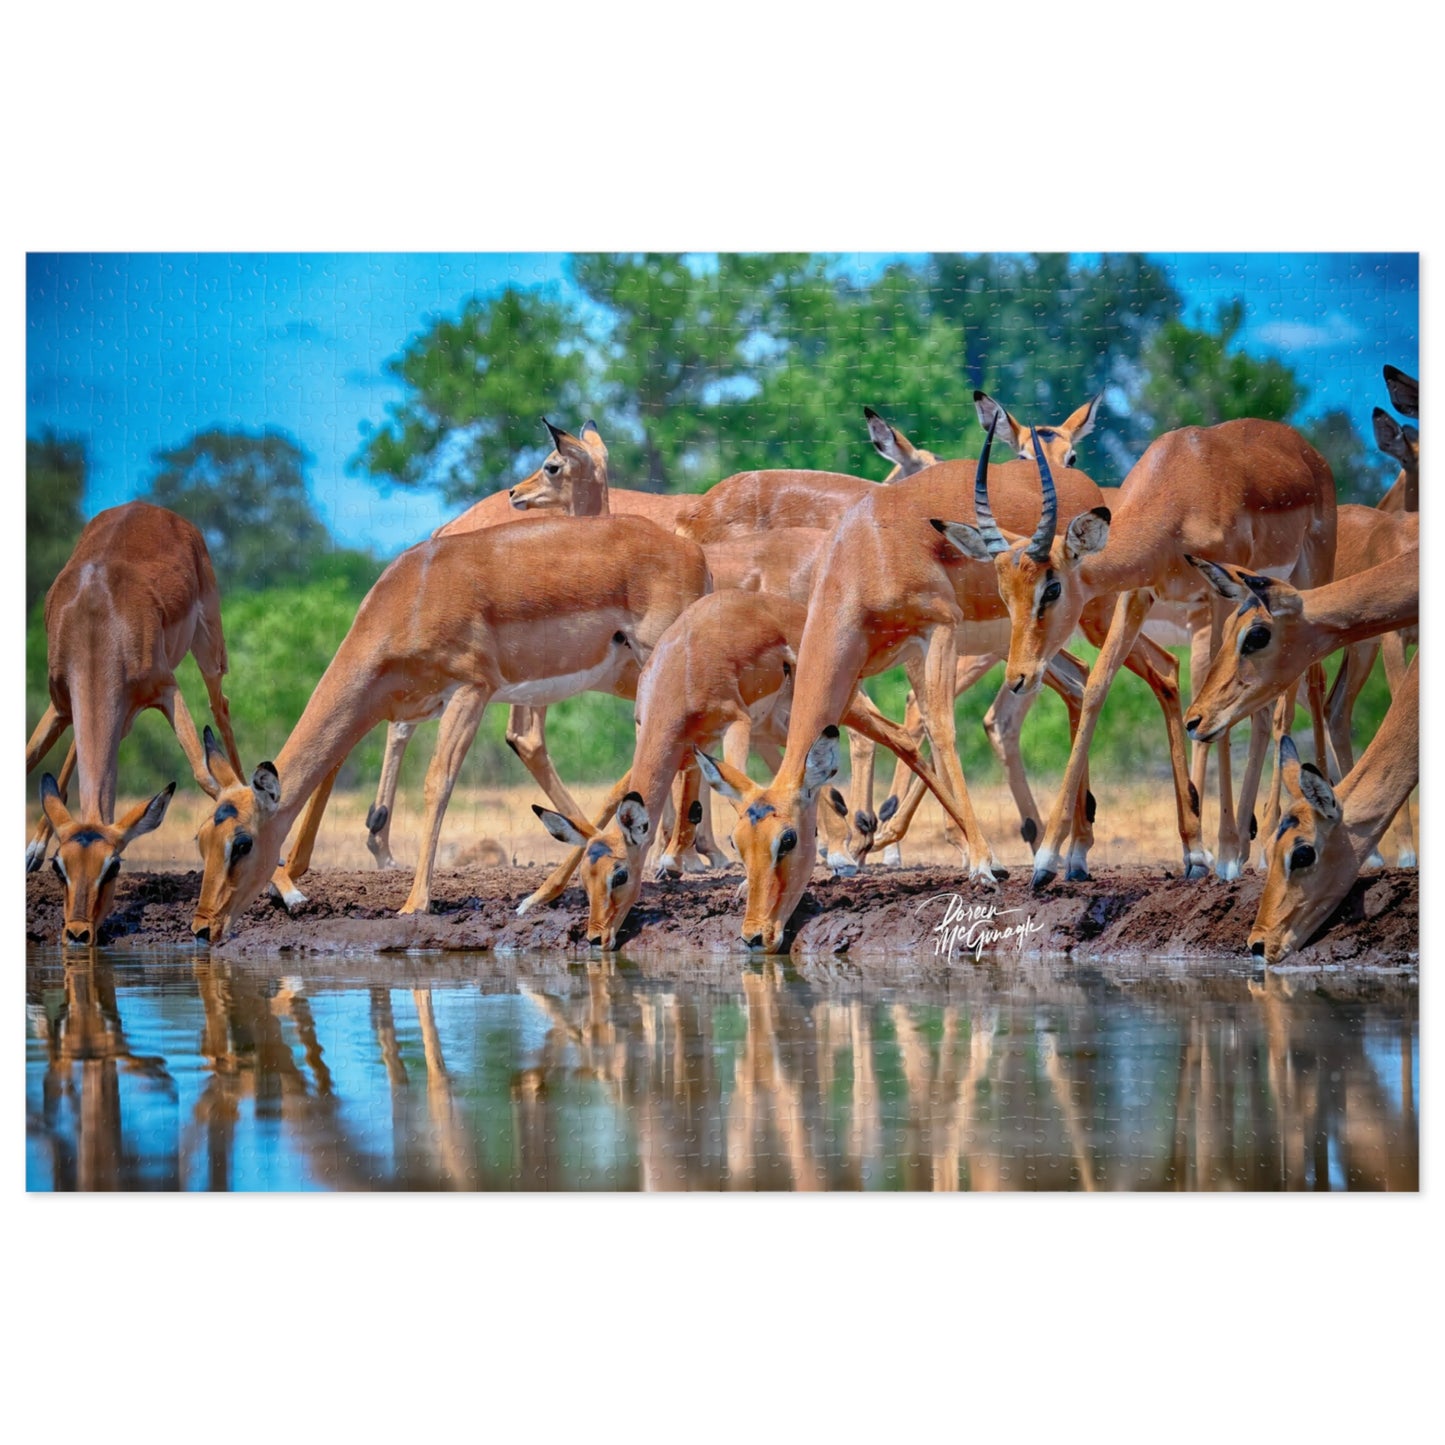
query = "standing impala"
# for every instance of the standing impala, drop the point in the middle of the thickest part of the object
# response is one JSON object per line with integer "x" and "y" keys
{"x": 1253, "y": 492}
{"x": 722, "y": 673}
{"x": 1326, "y": 834}
{"x": 572, "y": 480}
{"x": 137, "y": 594}
{"x": 530, "y": 613}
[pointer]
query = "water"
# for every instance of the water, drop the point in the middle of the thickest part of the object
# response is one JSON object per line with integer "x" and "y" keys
{"x": 172, "y": 1071}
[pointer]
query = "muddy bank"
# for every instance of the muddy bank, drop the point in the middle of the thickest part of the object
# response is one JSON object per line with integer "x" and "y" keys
{"x": 1122, "y": 913}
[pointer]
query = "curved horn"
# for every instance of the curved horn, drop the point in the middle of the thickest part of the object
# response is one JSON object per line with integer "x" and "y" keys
{"x": 988, "y": 528}
{"x": 1043, "y": 538}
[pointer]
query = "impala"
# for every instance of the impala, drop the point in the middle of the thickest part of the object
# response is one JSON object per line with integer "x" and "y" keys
{"x": 572, "y": 480}
{"x": 1400, "y": 442}
{"x": 1327, "y": 834}
{"x": 1252, "y": 491}
{"x": 893, "y": 589}
{"x": 530, "y": 613}
{"x": 137, "y": 594}
{"x": 722, "y": 673}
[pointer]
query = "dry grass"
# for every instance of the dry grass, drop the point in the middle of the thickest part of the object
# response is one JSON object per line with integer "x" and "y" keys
{"x": 1135, "y": 825}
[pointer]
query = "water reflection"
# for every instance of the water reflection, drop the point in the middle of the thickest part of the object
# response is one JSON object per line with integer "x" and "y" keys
{"x": 200, "y": 1074}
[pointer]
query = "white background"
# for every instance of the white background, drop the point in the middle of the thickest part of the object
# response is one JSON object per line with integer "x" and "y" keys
{"x": 901, "y": 126}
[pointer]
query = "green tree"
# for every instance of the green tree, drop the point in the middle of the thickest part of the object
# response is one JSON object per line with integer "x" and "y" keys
{"x": 477, "y": 386}
{"x": 1194, "y": 377}
{"x": 55, "y": 477}
{"x": 247, "y": 494}
{"x": 1362, "y": 474}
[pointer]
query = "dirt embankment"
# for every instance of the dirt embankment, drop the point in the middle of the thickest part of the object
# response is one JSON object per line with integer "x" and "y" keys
{"x": 1123, "y": 912}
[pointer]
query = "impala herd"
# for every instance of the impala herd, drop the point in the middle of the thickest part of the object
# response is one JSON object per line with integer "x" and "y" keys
{"x": 745, "y": 620}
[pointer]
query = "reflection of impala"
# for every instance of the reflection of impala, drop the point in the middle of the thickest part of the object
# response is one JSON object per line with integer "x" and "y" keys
{"x": 137, "y": 594}
{"x": 86, "y": 1050}
{"x": 722, "y": 671}
{"x": 461, "y": 622}
{"x": 1326, "y": 835}
{"x": 1252, "y": 492}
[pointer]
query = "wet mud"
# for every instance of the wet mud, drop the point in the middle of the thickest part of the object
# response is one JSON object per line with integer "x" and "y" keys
{"x": 872, "y": 921}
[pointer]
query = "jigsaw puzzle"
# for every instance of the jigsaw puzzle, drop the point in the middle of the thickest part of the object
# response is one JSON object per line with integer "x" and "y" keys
{"x": 722, "y": 722}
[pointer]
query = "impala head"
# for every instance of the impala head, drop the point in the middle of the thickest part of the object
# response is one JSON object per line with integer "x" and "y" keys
{"x": 1038, "y": 576}
{"x": 611, "y": 865}
{"x": 1262, "y": 649}
{"x": 775, "y": 837}
{"x": 87, "y": 858}
{"x": 569, "y": 472}
{"x": 1311, "y": 861}
{"x": 239, "y": 841}
{"x": 1057, "y": 443}
{"x": 891, "y": 444}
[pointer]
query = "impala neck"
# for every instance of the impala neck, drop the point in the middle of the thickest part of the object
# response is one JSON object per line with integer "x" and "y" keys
{"x": 1387, "y": 772}
{"x": 590, "y": 498}
{"x": 345, "y": 706}
{"x": 1370, "y": 603}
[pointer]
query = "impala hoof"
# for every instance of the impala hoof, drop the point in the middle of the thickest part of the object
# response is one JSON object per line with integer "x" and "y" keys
{"x": 841, "y": 865}
{"x": 1407, "y": 860}
{"x": 1043, "y": 878}
{"x": 893, "y": 856}
{"x": 1078, "y": 875}
{"x": 1196, "y": 870}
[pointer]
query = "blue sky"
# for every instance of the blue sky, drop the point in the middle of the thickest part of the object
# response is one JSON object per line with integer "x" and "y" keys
{"x": 137, "y": 352}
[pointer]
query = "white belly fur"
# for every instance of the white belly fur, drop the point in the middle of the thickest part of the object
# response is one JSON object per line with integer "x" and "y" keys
{"x": 544, "y": 691}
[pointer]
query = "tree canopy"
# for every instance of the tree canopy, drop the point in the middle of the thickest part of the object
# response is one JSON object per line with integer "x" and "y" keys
{"x": 55, "y": 476}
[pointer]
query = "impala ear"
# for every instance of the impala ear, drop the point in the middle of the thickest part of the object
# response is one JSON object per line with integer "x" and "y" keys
{"x": 633, "y": 820}
{"x": 1080, "y": 423}
{"x": 724, "y": 779}
{"x": 889, "y": 444}
{"x": 217, "y": 763}
{"x": 1087, "y": 533}
{"x": 963, "y": 537}
{"x": 563, "y": 829}
{"x": 145, "y": 817}
{"x": 1317, "y": 792}
{"x": 821, "y": 763}
{"x": 266, "y": 788}
{"x": 53, "y": 804}
{"x": 1009, "y": 430}
{"x": 1392, "y": 438}
{"x": 1234, "y": 584}
{"x": 1404, "y": 391}
{"x": 592, "y": 438}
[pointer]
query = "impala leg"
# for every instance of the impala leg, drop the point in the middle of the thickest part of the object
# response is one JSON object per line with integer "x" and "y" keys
{"x": 1203, "y": 639}
{"x": 1283, "y": 718}
{"x": 556, "y": 882}
{"x": 208, "y": 647}
{"x": 1227, "y": 850}
{"x": 1392, "y": 647}
{"x": 933, "y": 680}
{"x": 1129, "y": 613}
{"x": 47, "y": 730}
{"x": 867, "y": 719}
{"x": 379, "y": 814}
{"x": 906, "y": 786}
{"x": 688, "y": 814}
{"x": 1068, "y": 677}
{"x": 298, "y": 861}
{"x": 40, "y": 839}
{"x": 458, "y": 727}
{"x": 527, "y": 737}
{"x": 172, "y": 706}
{"x": 1259, "y": 733}
{"x": 1356, "y": 663}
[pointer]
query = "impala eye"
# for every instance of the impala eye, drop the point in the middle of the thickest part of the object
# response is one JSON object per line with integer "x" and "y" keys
{"x": 787, "y": 841}
{"x": 1051, "y": 594}
{"x": 552, "y": 468}
{"x": 241, "y": 844}
{"x": 1302, "y": 857}
{"x": 1258, "y": 636}
{"x": 59, "y": 871}
{"x": 111, "y": 868}
{"x": 1070, "y": 459}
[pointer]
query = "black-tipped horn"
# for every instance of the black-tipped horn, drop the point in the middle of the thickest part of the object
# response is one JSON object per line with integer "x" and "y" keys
{"x": 988, "y": 528}
{"x": 1043, "y": 538}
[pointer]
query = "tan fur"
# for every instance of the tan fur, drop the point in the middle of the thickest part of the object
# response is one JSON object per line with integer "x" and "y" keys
{"x": 458, "y": 620}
